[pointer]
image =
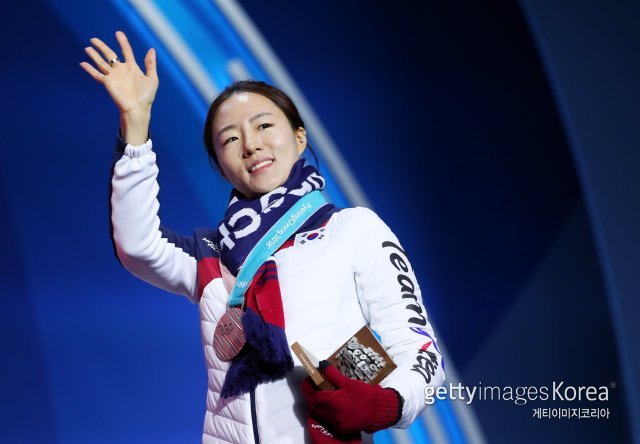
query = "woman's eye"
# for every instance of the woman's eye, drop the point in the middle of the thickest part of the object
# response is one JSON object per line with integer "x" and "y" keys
{"x": 230, "y": 139}
{"x": 264, "y": 126}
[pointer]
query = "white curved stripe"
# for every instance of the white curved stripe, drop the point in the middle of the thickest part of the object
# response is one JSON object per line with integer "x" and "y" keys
{"x": 179, "y": 50}
{"x": 270, "y": 62}
{"x": 400, "y": 436}
{"x": 237, "y": 70}
{"x": 431, "y": 421}
{"x": 463, "y": 412}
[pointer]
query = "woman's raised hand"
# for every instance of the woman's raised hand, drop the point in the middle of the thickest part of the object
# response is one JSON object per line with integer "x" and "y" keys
{"x": 132, "y": 90}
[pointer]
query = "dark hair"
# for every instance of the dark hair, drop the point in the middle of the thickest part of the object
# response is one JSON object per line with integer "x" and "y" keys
{"x": 277, "y": 96}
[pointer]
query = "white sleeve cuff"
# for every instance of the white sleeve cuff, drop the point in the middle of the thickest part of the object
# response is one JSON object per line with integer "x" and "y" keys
{"x": 138, "y": 151}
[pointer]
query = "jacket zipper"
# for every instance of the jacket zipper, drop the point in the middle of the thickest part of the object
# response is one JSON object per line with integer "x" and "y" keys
{"x": 254, "y": 416}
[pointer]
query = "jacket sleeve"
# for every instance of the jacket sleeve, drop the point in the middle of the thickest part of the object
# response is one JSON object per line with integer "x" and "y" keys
{"x": 148, "y": 250}
{"x": 391, "y": 300}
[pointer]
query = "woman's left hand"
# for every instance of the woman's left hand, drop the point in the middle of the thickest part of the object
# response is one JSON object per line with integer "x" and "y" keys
{"x": 354, "y": 406}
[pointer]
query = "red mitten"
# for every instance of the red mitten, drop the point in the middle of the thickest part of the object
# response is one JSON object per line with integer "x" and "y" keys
{"x": 354, "y": 406}
{"x": 322, "y": 435}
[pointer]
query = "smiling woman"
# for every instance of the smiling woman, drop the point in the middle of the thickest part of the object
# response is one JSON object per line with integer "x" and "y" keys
{"x": 256, "y": 147}
{"x": 282, "y": 266}
{"x": 256, "y": 121}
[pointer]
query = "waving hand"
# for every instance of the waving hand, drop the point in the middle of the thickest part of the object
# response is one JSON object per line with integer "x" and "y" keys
{"x": 132, "y": 90}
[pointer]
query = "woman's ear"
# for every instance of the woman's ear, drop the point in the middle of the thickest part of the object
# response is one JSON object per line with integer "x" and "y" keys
{"x": 301, "y": 139}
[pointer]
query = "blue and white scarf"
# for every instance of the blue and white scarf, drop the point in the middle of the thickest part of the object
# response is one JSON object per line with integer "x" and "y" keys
{"x": 265, "y": 356}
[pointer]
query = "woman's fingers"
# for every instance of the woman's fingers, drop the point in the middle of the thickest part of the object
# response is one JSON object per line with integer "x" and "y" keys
{"x": 94, "y": 73}
{"x": 150, "y": 64}
{"x": 108, "y": 53}
{"x": 128, "y": 86}
{"x": 97, "y": 59}
{"x": 127, "y": 51}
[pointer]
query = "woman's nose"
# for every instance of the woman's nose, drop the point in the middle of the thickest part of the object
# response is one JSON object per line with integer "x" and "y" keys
{"x": 251, "y": 144}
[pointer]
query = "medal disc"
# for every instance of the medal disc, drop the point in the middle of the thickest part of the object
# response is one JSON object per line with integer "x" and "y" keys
{"x": 228, "y": 338}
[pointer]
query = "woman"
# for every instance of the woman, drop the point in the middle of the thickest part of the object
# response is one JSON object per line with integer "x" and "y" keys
{"x": 282, "y": 266}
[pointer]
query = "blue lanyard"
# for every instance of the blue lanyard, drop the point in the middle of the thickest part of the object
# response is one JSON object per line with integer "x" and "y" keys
{"x": 288, "y": 224}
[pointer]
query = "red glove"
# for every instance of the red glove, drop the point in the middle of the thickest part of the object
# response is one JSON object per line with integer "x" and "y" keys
{"x": 322, "y": 435}
{"x": 354, "y": 406}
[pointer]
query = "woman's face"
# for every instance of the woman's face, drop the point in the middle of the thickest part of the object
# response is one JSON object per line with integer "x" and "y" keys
{"x": 255, "y": 144}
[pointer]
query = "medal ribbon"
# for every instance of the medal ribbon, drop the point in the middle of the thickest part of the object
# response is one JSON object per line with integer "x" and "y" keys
{"x": 288, "y": 224}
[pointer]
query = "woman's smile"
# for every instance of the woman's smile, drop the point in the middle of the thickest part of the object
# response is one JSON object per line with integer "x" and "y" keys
{"x": 260, "y": 166}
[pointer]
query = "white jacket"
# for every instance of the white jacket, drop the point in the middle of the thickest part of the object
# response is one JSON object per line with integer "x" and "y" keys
{"x": 350, "y": 272}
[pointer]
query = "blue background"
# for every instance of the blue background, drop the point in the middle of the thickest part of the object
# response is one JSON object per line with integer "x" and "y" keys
{"x": 499, "y": 142}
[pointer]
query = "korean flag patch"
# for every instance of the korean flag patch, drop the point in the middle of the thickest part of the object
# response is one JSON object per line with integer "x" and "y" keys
{"x": 310, "y": 236}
